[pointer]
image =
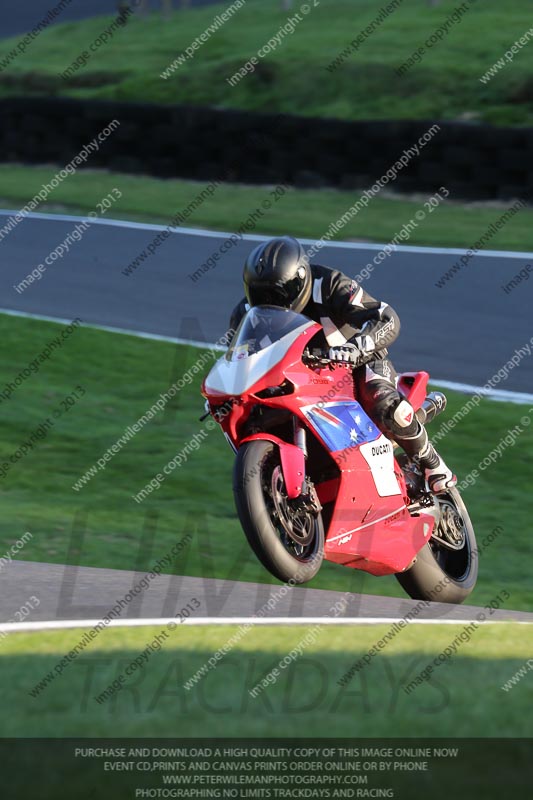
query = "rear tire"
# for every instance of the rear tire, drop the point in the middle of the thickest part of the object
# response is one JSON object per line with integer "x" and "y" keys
{"x": 442, "y": 575}
{"x": 287, "y": 541}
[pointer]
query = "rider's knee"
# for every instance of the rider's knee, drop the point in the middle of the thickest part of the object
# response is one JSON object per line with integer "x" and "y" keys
{"x": 401, "y": 418}
{"x": 403, "y": 414}
{"x": 381, "y": 408}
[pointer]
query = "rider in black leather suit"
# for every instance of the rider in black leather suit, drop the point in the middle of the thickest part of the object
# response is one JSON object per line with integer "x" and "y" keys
{"x": 358, "y": 329}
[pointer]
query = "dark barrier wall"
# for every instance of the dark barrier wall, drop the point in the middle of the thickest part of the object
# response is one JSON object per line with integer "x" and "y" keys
{"x": 473, "y": 161}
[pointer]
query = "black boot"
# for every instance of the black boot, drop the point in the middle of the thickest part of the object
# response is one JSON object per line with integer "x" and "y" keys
{"x": 417, "y": 446}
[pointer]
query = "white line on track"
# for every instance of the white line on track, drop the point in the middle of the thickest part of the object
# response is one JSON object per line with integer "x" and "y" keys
{"x": 124, "y": 331}
{"x": 65, "y": 624}
{"x": 250, "y": 237}
{"x": 500, "y": 395}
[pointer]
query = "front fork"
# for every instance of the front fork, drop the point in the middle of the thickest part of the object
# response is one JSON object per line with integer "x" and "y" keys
{"x": 308, "y": 500}
{"x": 300, "y": 439}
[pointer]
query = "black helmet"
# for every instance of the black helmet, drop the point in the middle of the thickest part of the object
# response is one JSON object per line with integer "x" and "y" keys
{"x": 277, "y": 273}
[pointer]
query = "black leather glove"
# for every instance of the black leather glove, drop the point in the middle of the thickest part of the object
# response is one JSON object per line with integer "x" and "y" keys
{"x": 355, "y": 351}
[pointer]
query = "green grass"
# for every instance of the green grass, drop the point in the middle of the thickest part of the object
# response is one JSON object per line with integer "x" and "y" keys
{"x": 463, "y": 699}
{"x": 294, "y": 78}
{"x": 102, "y": 525}
{"x": 305, "y": 697}
{"x": 306, "y": 213}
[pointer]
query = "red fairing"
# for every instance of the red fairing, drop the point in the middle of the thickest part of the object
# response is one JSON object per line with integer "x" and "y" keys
{"x": 363, "y": 494}
{"x": 414, "y": 387}
{"x": 368, "y": 531}
{"x": 292, "y": 462}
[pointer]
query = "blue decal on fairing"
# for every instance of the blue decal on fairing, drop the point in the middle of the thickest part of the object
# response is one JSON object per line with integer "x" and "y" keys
{"x": 342, "y": 425}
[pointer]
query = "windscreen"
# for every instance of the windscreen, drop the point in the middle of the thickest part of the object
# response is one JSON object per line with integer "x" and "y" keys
{"x": 261, "y": 327}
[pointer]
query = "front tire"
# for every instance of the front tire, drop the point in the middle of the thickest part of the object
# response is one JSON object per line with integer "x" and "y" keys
{"x": 441, "y": 574}
{"x": 287, "y": 540}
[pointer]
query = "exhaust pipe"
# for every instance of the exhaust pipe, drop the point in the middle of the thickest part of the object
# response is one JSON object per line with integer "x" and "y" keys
{"x": 433, "y": 405}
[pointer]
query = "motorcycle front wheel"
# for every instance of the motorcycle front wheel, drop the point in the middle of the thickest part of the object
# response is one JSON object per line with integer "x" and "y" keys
{"x": 286, "y": 536}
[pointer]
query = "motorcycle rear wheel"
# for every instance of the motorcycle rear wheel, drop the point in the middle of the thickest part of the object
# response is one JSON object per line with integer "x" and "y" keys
{"x": 288, "y": 541}
{"x": 440, "y": 574}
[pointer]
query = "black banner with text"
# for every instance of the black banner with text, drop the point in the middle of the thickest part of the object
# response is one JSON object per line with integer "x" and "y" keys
{"x": 266, "y": 768}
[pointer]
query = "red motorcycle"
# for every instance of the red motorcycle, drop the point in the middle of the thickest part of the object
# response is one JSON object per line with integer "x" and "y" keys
{"x": 315, "y": 478}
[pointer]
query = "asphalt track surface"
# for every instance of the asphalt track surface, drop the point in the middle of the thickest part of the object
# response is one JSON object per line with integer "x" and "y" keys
{"x": 87, "y": 593}
{"x": 464, "y": 332}
{"x": 19, "y": 18}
